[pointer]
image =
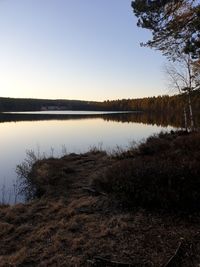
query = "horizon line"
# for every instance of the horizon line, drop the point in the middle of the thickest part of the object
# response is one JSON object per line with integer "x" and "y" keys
{"x": 100, "y": 101}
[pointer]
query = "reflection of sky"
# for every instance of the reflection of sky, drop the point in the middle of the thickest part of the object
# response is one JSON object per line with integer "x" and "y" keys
{"x": 75, "y": 135}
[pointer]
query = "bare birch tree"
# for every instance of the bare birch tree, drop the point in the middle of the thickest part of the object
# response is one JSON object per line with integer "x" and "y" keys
{"x": 184, "y": 77}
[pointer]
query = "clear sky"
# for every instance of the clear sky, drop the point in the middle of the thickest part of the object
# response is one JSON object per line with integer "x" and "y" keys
{"x": 75, "y": 49}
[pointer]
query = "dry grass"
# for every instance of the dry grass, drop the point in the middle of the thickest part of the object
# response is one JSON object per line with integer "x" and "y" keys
{"x": 74, "y": 226}
{"x": 57, "y": 237}
{"x": 162, "y": 173}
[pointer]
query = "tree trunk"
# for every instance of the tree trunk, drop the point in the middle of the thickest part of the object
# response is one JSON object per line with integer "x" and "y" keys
{"x": 185, "y": 119}
{"x": 191, "y": 112}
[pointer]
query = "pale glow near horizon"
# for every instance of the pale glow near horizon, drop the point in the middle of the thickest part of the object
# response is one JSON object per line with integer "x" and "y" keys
{"x": 87, "y": 50}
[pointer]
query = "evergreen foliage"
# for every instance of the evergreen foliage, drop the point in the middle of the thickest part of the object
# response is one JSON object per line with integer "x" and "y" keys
{"x": 163, "y": 104}
{"x": 175, "y": 25}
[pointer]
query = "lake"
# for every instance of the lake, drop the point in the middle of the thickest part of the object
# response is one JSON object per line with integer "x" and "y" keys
{"x": 57, "y": 133}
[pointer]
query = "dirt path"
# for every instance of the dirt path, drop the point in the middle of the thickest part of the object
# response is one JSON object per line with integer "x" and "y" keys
{"x": 70, "y": 175}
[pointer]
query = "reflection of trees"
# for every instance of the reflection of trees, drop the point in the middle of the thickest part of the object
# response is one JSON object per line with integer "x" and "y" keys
{"x": 161, "y": 110}
{"x": 159, "y": 119}
{"x": 14, "y": 117}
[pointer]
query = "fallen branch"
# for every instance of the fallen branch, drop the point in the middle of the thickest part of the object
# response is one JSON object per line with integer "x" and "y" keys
{"x": 93, "y": 191}
{"x": 102, "y": 262}
{"x": 173, "y": 260}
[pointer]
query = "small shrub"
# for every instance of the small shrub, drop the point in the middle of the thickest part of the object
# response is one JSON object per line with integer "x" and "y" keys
{"x": 23, "y": 170}
{"x": 158, "y": 143}
{"x": 97, "y": 149}
{"x": 167, "y": 178}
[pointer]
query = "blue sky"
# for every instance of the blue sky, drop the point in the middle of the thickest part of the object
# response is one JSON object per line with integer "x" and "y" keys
{"x": 75, "y": 49}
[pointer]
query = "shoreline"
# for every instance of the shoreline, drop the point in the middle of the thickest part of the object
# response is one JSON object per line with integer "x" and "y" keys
{"x": 72, "y": 222}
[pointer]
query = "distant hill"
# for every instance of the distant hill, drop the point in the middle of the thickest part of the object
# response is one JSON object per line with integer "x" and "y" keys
{"x": 164, "y": 104}
{"x": 29, "y": 104}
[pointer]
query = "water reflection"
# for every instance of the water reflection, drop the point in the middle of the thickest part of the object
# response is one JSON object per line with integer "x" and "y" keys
{"x": 159, "y": 119}
{"x": 45, "y": 133}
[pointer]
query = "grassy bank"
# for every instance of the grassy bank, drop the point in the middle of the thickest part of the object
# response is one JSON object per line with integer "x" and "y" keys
{"x": 134, "y": 207}
{"x": 162, "y": 173}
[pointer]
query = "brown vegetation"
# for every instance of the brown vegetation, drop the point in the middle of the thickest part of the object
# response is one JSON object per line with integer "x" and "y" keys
{"x": 163, "y": 173}
{"x": 72, "y": 222}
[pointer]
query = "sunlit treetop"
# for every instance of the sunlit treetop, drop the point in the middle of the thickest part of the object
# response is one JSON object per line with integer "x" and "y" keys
{"x": 175, "y": 25}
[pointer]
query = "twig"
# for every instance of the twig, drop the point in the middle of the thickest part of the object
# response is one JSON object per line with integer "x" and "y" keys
{"x": 102, "y": 262}
{"x": 172, "y": 261}
{"x": 93, "y": 191}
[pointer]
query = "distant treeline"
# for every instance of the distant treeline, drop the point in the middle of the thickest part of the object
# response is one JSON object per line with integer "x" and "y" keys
{"x": 28, "y": 104}
{"x": 166, "y": 104}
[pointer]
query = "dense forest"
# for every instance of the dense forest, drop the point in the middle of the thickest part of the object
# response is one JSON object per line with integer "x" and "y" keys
{"x": 28, "y": 104}
{"x": 164, "y": 104}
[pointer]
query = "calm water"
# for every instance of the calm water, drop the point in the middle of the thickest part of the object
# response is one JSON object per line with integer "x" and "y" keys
{"x": 55, "y": 134}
